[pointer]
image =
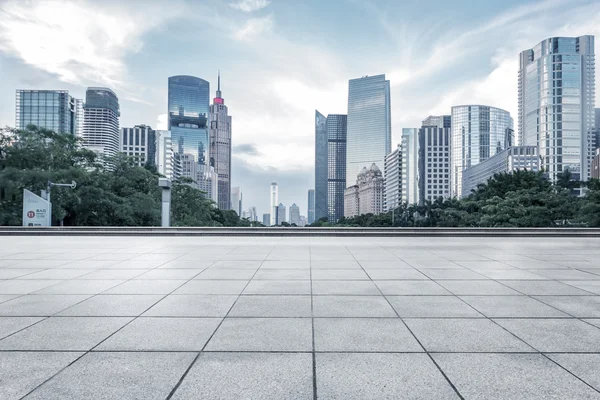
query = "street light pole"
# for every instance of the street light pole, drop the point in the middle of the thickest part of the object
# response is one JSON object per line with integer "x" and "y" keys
{"x": 72, "y": 185}
{"x": 165, "y": 185}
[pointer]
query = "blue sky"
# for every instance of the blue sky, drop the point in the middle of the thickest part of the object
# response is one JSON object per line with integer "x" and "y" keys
{"x": 280, "y": 60}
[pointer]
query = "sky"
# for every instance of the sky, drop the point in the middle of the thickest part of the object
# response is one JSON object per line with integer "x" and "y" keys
{"x": 280, "y": 60}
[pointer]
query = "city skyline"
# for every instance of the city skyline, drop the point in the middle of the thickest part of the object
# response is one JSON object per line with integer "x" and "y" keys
{"x": 416, "y": 58}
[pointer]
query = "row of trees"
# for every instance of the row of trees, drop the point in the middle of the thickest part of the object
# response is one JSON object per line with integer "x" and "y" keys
{"x": 518, "y": 199}
{"x": 123, "y": 195}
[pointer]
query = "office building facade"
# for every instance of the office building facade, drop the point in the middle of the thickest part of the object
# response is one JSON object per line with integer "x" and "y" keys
{"x": 220, "y": 147}
{"x": 366, "y": 197}
{"x": 311, "y": 206}
{"x": 54, "y": 110}
{"x": 266, "y": 219}
{"x": 280, "y": 214}
{"x": 392, "y": 196}
{"x": 294, "y": 214}
{"x": 321, "y": 166}
{"x": 139, "y": 143}
{"x": 556, "y": 103}
{"x": 596, "y": 165}
{"x": 434, "y": 162}
{"x": 369, "y": 133}
{"x": 167, "y": 161}
{"x": 509, "y": 160}
{"x": 336, "y": 165}
{"x": 410, "y": 165}
{"x": 274, "y": 202}
{"x": 478, "y": 133}
{"x": 101, "y": 121}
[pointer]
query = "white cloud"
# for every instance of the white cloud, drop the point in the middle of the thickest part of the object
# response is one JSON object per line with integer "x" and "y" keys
{"x": 81, "y": 42}
{"x": 253, "y": 28}
{"x": 250, "y": 5}
{"x": 162, "y": 122}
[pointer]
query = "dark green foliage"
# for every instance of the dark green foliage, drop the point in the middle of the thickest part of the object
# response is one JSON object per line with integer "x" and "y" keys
{"x": 123, "y": 195}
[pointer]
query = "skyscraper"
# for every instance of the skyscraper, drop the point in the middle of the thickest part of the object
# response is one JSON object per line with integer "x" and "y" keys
{"x": 188, "y": 116}
{"x": 294, "y": 214}
{"x": 167, "y": 161}
{"x": 434, "y": 159}
{"x": 220, "y": 147}
{"x": 280, "y": 214}
{"x": 236, "y": 200}
{"x": 410, "y": 165}
{"x": 369, "y": 137}
{"x": 556, "y": 103}
{"x": 320, "y": 166}
{"x": 139, "y": 143}
{"x": 311, "y": 206}
{"x": 55, "y": 110}
{"x": 478, "y": 133}
{"x": 392, "y": 196}
{"x": 274, "y": 201}
{"x": 336, "y": 165}
{"x": 266, "y": 219}
{"x": 101, "y": 121}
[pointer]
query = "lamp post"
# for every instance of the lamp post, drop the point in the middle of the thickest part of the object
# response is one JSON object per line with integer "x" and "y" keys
{"x": 165, "y": 185}
{"x": 72, "y": 185}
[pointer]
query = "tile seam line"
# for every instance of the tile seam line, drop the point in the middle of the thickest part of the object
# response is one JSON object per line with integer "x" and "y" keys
{"x": 454, "y": 388}
{"x": 189, "y": 368}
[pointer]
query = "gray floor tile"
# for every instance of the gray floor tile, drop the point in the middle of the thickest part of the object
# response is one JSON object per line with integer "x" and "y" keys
{"x": 555, "y": 335}
{"x": 532, "y": 264}
{"x": 17, "y": 286}
{"x": 118, "y": 376}
{"x": 450, "y": 273}
{"x": 339, "y": 274}
{"x": 511, "y": 377}
{"x": 248, "y": 376}
{"x": 510, "y": 274}
{"x": 476, "y": 288}
{"x": 243, "y": 274}
{"x": 236, "y": 264}
{"x": 540, "y": 288}
{"x": 112, "y": 306}
{"x": 272, "y": 306}
{"x": 286, "y": 264}
{"x": 395, "y": 274}
{"x": 111, "y": 274}
{"x": 432, "y": 306}
{"x": 212, "y": 286}
{"x": 278, "y": 287}
{"x": 89, "y": 264}
{"x": 10, "y": 273}
{"x": 334, "y": 263}
{"x": 595, "y": 322}
{"x": 511, "y": 306}
{"x": 464, "y": 335}
{"x": 403, "y": 288}
{"x": 352, "y": 306}
{"x": 380, "y": 376}
{"x": 80, "y": 286}
{"x": 364, "y": 335}
{"x": 577, "y": 306}
{"x": 21, "y": 372}
{"x": 66, "y": 333}
{"x": 162, "y": 334}
{"x": 262, "y": 334}
{"x": 282, "y": 274}
{"x": 150, "y": 286}
{"x": 40, "y": 305}
{"x": 192, "y": 306}
{"x": 589, "y": 286}
{"x": 7, "y": 297}
{"x": 175, "y": 274}
{"x": 10, "y": 325}
{"x": 345, "y": 288}
{"x": 382, "y": 264}
{"x": 566, "y": 274}
{"x": 56, "y": 273}
{"x": 584, "y": 366}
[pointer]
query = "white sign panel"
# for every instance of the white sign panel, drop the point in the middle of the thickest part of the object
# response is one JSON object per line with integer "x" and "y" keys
{"x": 35, "y": 209}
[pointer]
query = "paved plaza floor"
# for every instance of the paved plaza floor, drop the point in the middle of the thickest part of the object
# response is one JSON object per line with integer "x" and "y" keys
{"x": 299, "y": 318}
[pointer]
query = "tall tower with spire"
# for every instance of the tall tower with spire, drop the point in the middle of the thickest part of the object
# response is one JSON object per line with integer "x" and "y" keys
{"x": 220, "y": 147}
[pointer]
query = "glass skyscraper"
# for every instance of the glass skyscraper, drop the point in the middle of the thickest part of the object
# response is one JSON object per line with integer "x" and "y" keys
{"x": 188, "y": 116}
{"x": 55, "y": 110}
{"x": 320, "y": 166}
{"x": 336, "y": 165}
{"x": 556, "y": 103}
{"x": 369, "y": 124}
{"x": 478, "y": 133}
{"x": 101, "y": 121}
{"x": 311, "y": 206}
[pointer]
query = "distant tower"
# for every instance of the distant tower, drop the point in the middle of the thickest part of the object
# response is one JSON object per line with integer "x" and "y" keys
{"x": 220, "y": 147}
{"x": 101, "y": 121}
{"x": 311, "y": 206}
{"x": 274, "y": 201}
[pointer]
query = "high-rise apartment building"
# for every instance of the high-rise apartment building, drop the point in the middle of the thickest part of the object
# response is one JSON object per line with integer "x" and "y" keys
{"x": 236, "y": 200}
{"x": 167, "y": 161}
{"x": 139, "y": 143}
{"x": 509, "y": 160}
{"x": 101, "y": 121}
{"x": 54, "y": 110}
{"x": 434, "y": 159}
{"x": 556, "y": 103}
{"x": 321, "y": 153}
{"x": 274, "y": 201}
{"x": 280, "y": 214}
{"x": 311, "y": 206}
{"x": 220, "y": 147}
{"x": 369, "y": 137}
{"x": 410, "y": 165}
{"x": 294, "y": 214}
{"x": 596, "y": 165}
{"x": 366, "y": 196}
{"x": 392, "y": 196}
{"x": 597, "y": 128}
{"x": 478, "y": 133}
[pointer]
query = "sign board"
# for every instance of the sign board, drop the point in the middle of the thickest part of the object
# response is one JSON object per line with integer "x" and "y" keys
{"x": 35, "y": 209}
